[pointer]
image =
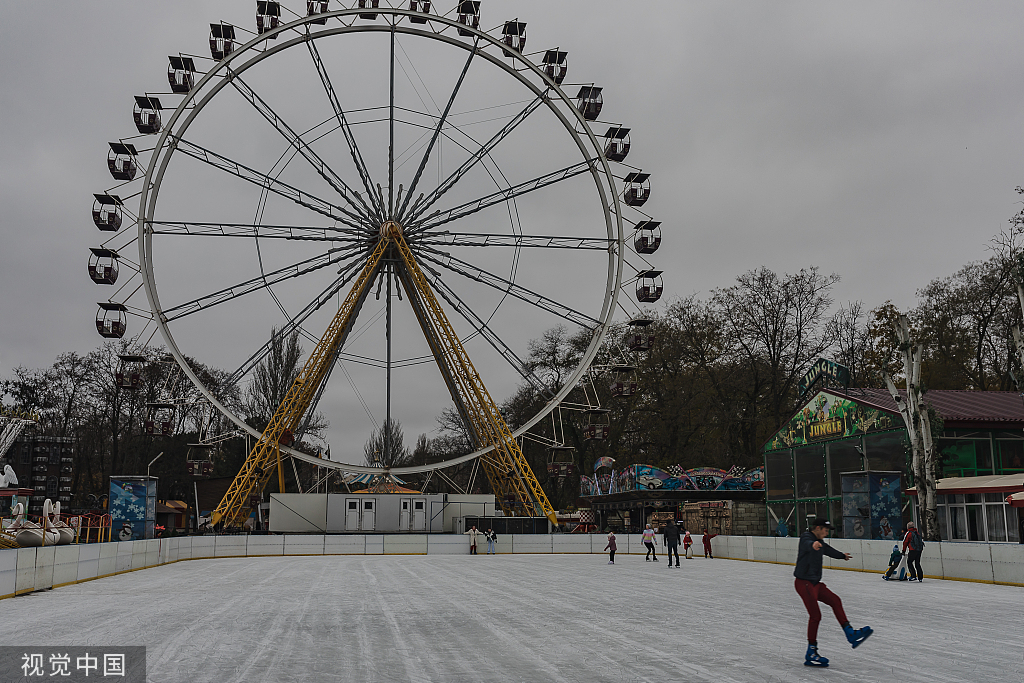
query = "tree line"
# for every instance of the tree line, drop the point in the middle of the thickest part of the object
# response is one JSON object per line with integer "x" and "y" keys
{"x": 719, "y": 380}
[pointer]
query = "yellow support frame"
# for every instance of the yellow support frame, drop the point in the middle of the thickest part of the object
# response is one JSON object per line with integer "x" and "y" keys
{"x": 514, "y": 484}
{"x": 506, "y": 467}
{"x": 260, "y": 464}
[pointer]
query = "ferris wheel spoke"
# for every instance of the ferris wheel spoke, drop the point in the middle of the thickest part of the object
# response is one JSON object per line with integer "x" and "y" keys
{"x": 501, "y": 284}
{"x": 422, "y": 205}
{"x": 459, "y": 239}
{"x": 346, "y": 129}
{"x": 439, "y": 218}
{"x": 295, "y": 322}
{"x": 303, "y": 148}
{"x": 478, "y": 324}
{"x": 304, "y": 267}
{"x": 260, "y": 231}
{"x": 437, "y": 130}
{"x": 274, "y": 185}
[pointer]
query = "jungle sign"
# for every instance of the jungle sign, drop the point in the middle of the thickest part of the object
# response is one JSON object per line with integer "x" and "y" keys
{"x": 827, "y": 369}
{"x": 830, "y": 417}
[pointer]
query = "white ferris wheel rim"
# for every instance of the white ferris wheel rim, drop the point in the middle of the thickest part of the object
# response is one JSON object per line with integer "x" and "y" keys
{"x": 163, "y": 152}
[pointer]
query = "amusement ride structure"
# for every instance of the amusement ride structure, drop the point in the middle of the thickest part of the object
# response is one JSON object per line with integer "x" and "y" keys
{"x": 306, "y": 166}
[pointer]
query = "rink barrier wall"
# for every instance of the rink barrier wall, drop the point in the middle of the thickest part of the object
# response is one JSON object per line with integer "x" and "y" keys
{"x": 24, "y": 570}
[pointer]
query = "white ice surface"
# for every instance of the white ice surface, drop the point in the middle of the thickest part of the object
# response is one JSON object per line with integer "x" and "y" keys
{"x": 569, "y": 618}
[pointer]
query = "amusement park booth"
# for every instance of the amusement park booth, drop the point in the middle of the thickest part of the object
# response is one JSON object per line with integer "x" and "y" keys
{"x": 725, "y": 502}
{"x": 845, "y": 431}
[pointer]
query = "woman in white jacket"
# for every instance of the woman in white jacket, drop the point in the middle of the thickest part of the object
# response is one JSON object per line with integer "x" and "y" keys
{"x": 472, "y": 533}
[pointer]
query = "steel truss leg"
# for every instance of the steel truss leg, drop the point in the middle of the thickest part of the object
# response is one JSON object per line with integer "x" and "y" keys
{"x": 515, "y": 486}
{"x": 260, "y": 464}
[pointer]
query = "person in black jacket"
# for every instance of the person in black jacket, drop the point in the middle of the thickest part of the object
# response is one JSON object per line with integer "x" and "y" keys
{"x": 670, "y": 539}
{"x": 812, "y": 591}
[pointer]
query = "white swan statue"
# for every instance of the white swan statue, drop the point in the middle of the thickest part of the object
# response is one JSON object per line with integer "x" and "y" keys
{"x": 29, "y": 534}
{"x": 8, "y": 478}
{"x": 66, "y": 533}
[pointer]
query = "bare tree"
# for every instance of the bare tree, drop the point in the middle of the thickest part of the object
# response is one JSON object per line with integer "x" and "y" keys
{"x": 386, "y": 446}
{"x": 272, "y": 379}
{"x": 917, "y": 417}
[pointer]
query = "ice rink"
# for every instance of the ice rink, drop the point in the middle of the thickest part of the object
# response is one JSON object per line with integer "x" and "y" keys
{"x": 538, "y": 618}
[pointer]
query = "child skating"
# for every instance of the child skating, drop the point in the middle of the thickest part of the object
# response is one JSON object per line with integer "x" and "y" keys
{"x": 688, "y": 545}
{"x": 611, "y": 547}
{"x": 812, "y": 591}
{"x": 897, "y": 565}
{"x": 709, "y": 554}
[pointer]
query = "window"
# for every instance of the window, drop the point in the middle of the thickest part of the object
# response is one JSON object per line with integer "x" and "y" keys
{"x": 843, "y": 456}
{"x": 780, "y": 519}
{"x": 808, "y": 512}
{"x": 975, "y": 523}
{"x": 353, "y": 505}
{"x": 26, "y": 453}
{"x": 957, "y": 524}
{"x": 779, "y": 474}
{"x": 943, "y": 522}
{"x": 996, "y": 522}
{"x": 54, "y": 454}
{"x": 419, "y": 504}
{"x": 983, "y": 454}
{"x": 1013, "y": 524}
{"x": 886, "y": 452}
{"x": 810, "y": 472}
{"x": 1011, "y": 455}
{"x": 367, "y": 504}
{"x": 51, "y": 486}
{"x": 966, "y": 457}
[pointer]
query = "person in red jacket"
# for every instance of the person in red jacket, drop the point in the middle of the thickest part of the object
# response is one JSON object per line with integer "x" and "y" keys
{"x": 708, "y": 554}
{"x": 913, "y": 544}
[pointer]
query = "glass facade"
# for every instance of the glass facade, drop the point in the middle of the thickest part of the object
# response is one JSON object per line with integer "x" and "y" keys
{"x": 805, "y": 481}
{"x": 778, "y": 472}
{"x": 809, "y": 463}
{"x": 804, "y": 478}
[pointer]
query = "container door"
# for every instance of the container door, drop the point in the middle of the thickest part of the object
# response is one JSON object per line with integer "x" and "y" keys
{"x": 404, "y": 514}
{"x": 369, "y": 514}
{"x": 351, "y": 514}
{"x": 419, "y": 514}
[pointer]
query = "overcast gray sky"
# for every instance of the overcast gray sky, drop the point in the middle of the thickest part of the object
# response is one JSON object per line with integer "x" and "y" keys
{"x": 878, "y": 140}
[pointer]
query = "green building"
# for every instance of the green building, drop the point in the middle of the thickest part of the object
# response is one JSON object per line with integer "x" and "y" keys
{"x": 855, "y": 430}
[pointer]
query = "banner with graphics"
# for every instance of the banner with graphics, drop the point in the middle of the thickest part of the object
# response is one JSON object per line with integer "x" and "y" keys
{"x": 132, "y": 509}
{"x": 650, "y": 478}
{"x": 827, "y": 417}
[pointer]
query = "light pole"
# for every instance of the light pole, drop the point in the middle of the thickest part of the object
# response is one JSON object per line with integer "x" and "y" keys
{"x": 151, "y": 463}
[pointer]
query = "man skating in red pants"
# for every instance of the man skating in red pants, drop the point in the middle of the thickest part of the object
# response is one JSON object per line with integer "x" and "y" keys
{"x": 812, "y": 590}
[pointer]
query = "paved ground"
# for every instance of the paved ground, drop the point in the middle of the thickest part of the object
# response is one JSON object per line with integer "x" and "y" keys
{"x": 532, "y": 618}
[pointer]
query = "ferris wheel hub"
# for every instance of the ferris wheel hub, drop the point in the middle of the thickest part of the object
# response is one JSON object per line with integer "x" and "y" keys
{"x": 390, "y": 229}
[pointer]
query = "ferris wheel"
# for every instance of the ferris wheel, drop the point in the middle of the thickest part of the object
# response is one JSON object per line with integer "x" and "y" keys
{"x": 415, "y": 196}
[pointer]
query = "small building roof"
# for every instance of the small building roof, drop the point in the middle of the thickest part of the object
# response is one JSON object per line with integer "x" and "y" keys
{"x": 991, "y": 483}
